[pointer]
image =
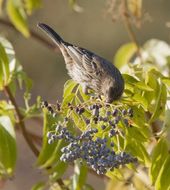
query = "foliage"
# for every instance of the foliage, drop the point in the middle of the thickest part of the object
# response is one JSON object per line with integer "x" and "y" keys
{"x": 144, "y": 136}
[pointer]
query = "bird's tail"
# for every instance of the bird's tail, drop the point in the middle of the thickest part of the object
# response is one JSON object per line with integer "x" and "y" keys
{"x": 51, "y": 33}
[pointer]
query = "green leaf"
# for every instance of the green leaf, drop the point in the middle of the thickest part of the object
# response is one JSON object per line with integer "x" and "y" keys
{"x": 68, "y": 94}
{"x": 115, "y": 174}
{"x": 166, "y": 81}
{"x": 69, "y": 87}
{"x": 4, "y": 67}
{"x": 159, "y": 155}
{"x": 124, "y": 54}
{"x": 141, "y": 100}
{"x": 130, "y": 79}
{"x": 39, "y": 186}
{"x": 80, "y": 175}
{"x": 8, "y": 152}
{"x": 136, "y": 133}
{"x": 160, "y": 102}
{"x": 84, "y": 96}
{"x": 10, "y": 53}
{"x": 17, "y": 16}
{"x": 7, "y": 62}
{"x": 163, "y": 179}
{"x": 152, "y": 81}
{"x": 142, "y": 86}
{"x": 46, "y": 150}
{"x": 138, "y": 150}
{"x": 58, "y": 170}
{"x": 31, "y": 5}
{"x": 54, "y": 157}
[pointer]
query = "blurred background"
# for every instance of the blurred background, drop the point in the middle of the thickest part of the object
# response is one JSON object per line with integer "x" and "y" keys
{"x": 93, "y": 29}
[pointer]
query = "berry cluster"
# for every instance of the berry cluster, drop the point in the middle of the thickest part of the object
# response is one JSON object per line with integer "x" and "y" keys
{"x": 96, "y": 152}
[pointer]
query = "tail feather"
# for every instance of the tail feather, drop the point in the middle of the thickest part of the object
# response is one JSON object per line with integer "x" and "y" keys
{"x": 51, "y": 33}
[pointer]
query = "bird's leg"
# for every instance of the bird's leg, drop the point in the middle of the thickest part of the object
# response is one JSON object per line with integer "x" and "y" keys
{"x": 85, "y": 88}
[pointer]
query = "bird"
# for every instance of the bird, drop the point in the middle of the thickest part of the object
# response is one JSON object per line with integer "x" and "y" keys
{"x": 88, "y": 69}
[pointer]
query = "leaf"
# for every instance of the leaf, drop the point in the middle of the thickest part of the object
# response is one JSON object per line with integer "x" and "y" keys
{"x": 138, "y": 150}
{"x": 80, "y": 176}
{"x": 152, "y": 81}
{"x": 159, "y": 155}
{"x": 58, "y": 170}
{"x": 141, "y": 100}
{"x": 124, "y": 54}
{"x": 130, "y": 79}
{"x": 163, "y": 179}
{"x": 84, "y": 96}
{"x": 17, "y": 16}
{"x": 136, "y": 133}
{"x": 39, "y": 186}
{"x": 4, "y": 67}
{"x": 142, "y": 86}
{"x": 8, "y": 152}
{"x": 166, "y": 81}
{"x": 160, "y": 103}
{"x": 10, "y": 53}
{"x": 69, "y": 87}
{"x": 31, "y": 5}
{"x": 115, "y": 174}
{"x": 7, "y": 62}
{"x": 55, "y": 155}
{"x": 68, "y": 94}
{"x": 46, "y": 150}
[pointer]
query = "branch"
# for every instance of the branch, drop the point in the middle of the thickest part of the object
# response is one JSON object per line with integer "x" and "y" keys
{"x": 21, "y": 122}
{"x": 128, "y": 26}
{"x": 33, "y": 34}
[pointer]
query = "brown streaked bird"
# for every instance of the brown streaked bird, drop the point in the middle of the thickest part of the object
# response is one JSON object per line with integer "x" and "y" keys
{"x": 88, "y": 69}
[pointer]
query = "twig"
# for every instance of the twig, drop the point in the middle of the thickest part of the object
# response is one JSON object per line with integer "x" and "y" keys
{"x": 33, "y": 34}
{"x": 128, "y": 26}
{"x": 21, "y": 122}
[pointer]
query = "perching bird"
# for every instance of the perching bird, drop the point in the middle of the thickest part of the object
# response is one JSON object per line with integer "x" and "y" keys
{"x": 88, "y": 69}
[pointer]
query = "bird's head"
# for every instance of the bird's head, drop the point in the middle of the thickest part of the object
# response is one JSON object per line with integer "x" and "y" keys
{"x": 113, "y": 89}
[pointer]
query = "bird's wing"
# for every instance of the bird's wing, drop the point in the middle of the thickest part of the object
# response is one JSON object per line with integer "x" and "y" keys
{"x": 87, "y": 59}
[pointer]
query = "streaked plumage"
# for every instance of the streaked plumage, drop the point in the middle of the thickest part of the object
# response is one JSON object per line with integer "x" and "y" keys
{"x": 88, "y": 69}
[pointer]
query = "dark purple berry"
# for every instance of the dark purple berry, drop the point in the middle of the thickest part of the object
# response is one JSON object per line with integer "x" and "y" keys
{"x": 95, "y": 119}
{"x": 115, "y": 112}
{"x": 95, "y": 112}
{"x": 130, "y": 112}
{"x": 50, "y": 141}
{"x": 112, "y": 133}
{"x": 126, "y": 122}
{"x": 77, "y": 110}
{"x": 49, "y": 134}
{"x": 54, "y": 114}
{"x": 65, "y": 119}
{"x": 45, "y": 103}
{"x": 117, "y": 119}
{"x": 124, "y": 112}
{"x": 112, "y": 144}
{"x": 81, "y": 110}
{"x": 103, "y": 127}
{"x": 105, "y": 119}
{"x": 58, "y": 106}
{"x": 87, "y": 121}
{"x": 108, "y": 113}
